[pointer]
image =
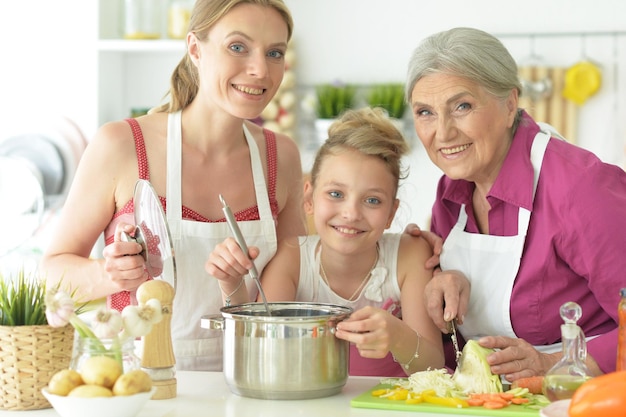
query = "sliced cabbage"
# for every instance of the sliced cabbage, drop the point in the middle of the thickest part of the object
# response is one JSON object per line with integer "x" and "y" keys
{"x": 473, "y": 374}
{"x": 439, "y": 380}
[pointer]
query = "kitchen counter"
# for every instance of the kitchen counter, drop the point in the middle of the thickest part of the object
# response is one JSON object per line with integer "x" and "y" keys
{"x": 205, "y": 394}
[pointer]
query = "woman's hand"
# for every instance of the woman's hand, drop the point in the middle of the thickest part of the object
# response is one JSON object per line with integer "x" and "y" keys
{"x": 450, "y": 289}
{"x": 123, "y": 262}
{"x": 229, "y": 264}
{"x": 435, "y": 242}
{"x": 516, "y": 358}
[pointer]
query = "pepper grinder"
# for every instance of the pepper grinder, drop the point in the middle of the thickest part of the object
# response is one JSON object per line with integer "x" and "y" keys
{"x": 158, "y": 355}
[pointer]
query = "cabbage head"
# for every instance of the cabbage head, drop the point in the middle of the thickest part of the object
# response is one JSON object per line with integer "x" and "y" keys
{"x": 473, "y": 374}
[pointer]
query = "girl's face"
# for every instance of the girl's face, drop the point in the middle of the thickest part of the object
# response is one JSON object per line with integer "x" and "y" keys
{"x": 353, "y": 201}
{"x": 465, "y": 130}
{"x": 242, "y": 62}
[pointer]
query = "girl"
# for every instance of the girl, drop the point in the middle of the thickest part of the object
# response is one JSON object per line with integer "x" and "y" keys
{"x": 351, "y": 261}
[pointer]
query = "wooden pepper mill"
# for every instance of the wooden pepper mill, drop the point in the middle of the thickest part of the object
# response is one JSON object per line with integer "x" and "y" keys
{"x": 158, "y": 355}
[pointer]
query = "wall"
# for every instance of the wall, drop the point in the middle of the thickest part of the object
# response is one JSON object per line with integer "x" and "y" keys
{"x": 49, "y": 63}
{"x": 368, "y": 41}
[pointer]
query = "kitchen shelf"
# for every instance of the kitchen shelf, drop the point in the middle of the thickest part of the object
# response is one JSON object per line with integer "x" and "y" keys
{"x": 157, "y": 45}
{"x": 131, "y": 73}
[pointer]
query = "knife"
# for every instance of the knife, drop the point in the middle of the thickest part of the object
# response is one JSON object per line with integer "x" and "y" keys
{"x": 455, "y": 342}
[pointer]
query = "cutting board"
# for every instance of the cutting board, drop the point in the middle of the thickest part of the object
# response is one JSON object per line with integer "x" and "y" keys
{"x": 367, "y": 400}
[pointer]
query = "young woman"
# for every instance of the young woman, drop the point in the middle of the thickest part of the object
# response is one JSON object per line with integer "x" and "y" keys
{"x": 193, "y": 149}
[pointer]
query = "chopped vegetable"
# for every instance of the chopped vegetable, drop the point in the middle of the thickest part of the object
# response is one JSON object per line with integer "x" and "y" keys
{"x": 473, "y": 375}
{"x": 533, "y": 383}
{"x": 438, "y": 380}
{"x": 432, "y": 398}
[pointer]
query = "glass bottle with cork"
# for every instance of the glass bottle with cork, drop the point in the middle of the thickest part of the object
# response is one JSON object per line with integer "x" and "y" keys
{"x": 570, "y": 371}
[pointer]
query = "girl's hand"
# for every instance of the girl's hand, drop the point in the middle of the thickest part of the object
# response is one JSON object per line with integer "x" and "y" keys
{"x": 123, "y": 262}
{"x": 371, "y": 330}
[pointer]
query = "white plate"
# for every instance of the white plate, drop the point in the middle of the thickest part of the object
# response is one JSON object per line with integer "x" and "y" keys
{"x": 119, "y": 406}
{"x": 556, "y": 409}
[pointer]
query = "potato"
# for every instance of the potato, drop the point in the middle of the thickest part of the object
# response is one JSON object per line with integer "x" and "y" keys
{"x": 64, "y": 381}
{"x": 132, "y": 382}
{"x": 101, "y": 370}
{"x": 90, "y": 391}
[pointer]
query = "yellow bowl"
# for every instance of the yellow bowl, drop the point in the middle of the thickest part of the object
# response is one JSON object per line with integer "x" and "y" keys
{"x": 581, "y": 82}
{"x": 118, "y": 406}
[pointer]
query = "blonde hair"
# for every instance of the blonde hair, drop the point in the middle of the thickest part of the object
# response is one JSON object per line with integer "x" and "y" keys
{"x": 370, "y": 132}
{"x": 205, "y": 13}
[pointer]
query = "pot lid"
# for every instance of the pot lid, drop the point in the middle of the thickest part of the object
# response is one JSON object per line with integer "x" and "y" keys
{"x": 153, "y": 234}
{"x": 581, "y": 82}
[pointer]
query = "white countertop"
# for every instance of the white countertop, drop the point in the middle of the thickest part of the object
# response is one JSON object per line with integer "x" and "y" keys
{"x": 205, "y": 394}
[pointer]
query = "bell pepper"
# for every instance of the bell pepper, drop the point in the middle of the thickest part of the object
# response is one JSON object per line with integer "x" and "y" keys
{"x": 430, "y": 397}
{"x": 600, "y": 396}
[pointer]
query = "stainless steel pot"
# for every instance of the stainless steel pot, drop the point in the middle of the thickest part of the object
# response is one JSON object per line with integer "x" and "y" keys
{"x": 292, "y": 354}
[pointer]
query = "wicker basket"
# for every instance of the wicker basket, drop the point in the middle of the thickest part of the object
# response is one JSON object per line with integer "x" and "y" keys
{"x": 29, "y": 356}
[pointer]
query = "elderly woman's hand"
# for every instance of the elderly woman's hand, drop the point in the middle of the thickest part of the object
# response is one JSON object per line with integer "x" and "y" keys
{"x": 516, "y": 358}
{"x": 449, "y": 288}
{"x": 435, "y": 242}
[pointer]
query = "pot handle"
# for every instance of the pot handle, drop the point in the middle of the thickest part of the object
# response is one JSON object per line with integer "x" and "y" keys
{"x": 335, "y": 320}
{"x": 212, "y": 322}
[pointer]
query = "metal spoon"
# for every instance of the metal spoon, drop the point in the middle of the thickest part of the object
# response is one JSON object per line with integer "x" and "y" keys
{"x": 234, "y": 227}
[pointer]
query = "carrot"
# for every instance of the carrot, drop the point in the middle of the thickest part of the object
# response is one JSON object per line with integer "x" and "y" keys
{"x": 519, "y": 400}
{"x": 533, "y": 383}
{"x": 475, "y": 402}
{"x": 494, "y": 405}
{"x": 506, "y": 396}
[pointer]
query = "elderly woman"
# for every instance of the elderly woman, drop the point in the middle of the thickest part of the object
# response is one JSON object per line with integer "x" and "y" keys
{"x": 531, "y": 220}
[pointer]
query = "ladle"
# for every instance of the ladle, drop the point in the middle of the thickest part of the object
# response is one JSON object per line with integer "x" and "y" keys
{"x": 244, "y": 247}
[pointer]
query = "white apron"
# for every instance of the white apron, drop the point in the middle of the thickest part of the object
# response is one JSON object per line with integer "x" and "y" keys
{"x": 198, "y": 293}
{"x": 491, "y": 264}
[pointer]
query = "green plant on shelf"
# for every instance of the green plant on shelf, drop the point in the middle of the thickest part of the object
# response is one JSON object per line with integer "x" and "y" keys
{"x": 389, "y": 96}
{"x": 333, "y": 99}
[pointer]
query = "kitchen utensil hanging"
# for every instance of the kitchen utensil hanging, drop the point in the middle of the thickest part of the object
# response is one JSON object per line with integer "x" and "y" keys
{"x": 533, "y": 71}
{"x": 583, "y": 79}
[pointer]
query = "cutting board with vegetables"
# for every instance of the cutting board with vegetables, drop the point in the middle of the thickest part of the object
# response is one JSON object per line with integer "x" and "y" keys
{"x": 367, "y": 400}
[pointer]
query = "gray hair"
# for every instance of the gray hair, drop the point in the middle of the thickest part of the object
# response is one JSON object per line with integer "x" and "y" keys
{"x": 469, "y": 53}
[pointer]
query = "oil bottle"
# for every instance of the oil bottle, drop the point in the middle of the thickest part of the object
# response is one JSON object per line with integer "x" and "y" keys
{"x": 570, "y": 371}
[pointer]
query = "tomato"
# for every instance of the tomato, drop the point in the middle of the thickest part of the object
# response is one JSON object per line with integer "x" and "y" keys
{"x": 600, "y": 396}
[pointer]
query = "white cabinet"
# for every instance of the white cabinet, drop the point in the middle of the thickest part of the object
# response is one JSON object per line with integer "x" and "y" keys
{"x": 131, "y": 73}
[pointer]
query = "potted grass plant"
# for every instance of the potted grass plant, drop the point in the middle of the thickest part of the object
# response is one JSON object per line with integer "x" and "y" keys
{"x": 331, "y": 101}
{"x": 31, "y": 350}
{"x": 389, "y": 96}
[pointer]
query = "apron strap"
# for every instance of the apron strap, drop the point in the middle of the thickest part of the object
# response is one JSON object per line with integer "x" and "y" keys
{"x": 174, "y": 212}
{"x": 537, "y": 151}
{"x": 263, "y": 204}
